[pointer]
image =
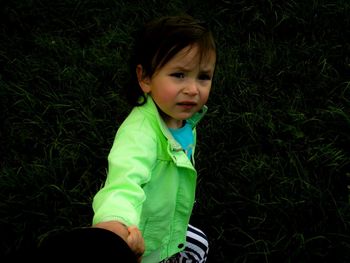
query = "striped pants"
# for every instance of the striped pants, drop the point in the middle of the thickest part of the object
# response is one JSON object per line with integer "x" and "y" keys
{"x": 196, "y": 248}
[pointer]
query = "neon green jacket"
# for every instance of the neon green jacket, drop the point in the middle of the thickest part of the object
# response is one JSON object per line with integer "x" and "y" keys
{"x": 150, "y": 183}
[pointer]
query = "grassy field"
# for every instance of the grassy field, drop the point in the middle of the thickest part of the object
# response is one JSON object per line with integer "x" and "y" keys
{"x": 274, "y": 150}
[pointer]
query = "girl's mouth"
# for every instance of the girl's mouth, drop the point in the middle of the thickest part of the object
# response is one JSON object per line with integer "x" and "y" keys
{"x": 187, "y": 104}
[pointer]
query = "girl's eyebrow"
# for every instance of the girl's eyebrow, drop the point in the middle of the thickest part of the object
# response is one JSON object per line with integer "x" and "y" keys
{"x": 181, "y": 68}
{"x": 208, "y": 70}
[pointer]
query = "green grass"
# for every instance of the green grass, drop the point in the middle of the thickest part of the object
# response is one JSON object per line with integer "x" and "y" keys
{"x": 274, "y": 150}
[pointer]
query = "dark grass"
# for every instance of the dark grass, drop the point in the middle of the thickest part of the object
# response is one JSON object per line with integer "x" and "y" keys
{"x": 274, "y": 150}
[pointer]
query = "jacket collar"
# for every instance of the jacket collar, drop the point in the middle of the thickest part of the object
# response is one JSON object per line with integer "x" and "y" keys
{"x": 151, "y": 107}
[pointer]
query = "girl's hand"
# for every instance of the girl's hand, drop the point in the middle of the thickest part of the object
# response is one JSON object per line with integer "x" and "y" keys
{"x": 136, "y": 242}
{"x": 131, "y": 235}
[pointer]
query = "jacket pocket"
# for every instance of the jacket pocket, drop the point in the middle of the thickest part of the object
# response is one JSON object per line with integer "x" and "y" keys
{"x": 155, "y": 233}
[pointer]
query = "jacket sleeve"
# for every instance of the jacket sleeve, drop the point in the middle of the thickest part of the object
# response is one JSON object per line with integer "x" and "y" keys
{"x": 130, "y": 163}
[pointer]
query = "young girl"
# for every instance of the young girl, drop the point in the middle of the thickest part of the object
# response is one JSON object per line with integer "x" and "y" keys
{"x": 149, "y": 192}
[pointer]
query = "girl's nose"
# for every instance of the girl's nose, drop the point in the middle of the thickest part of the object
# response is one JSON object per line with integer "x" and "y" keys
{"x": 191, "y": 88}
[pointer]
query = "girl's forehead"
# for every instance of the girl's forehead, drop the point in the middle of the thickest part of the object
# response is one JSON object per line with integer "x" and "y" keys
{"x": 191, "y": 56}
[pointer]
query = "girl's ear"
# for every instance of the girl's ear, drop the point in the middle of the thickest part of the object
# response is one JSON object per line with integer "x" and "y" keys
{"x": 144, "y": 82}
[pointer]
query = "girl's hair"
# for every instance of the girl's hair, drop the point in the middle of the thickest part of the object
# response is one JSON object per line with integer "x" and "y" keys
{"x": 159, "y": 41}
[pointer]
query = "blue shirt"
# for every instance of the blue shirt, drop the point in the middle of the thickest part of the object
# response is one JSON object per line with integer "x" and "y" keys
{"x": 184, "y": 137}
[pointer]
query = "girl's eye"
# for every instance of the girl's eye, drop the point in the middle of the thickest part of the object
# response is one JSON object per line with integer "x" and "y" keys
{"x": 178, "y": 75}
{"x": 204, "y": 77}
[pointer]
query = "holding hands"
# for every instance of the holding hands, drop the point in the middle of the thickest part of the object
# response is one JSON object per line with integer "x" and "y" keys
{"x": 131, "y": 235}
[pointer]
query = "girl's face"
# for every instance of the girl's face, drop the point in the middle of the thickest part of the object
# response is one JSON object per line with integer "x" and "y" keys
{"x": 182, "y": 86}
